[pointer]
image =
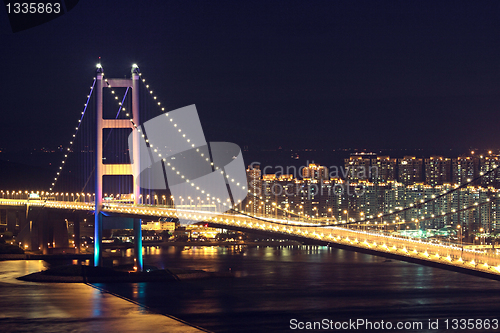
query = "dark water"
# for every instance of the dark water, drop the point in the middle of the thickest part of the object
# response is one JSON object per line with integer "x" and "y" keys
{"x": 275, "y": 285}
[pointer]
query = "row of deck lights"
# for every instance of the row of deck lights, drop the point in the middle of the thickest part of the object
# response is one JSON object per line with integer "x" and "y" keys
{"x": 384, "y": 245}
{"x": 322, "y": 236}
{"x": 339, "y": 239}
{"x": 83, "y": 195}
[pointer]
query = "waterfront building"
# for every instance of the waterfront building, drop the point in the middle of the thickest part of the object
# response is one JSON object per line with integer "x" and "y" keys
{"x": 394, "y": 198}
{"x": 494, "y": 222}
{"x": 326, "y": 199}
{"x": 159, "y": 226}
{"x": 442, "y": 205}
{"x": 253, "y": 179}
{"x": 367, "y": 200}
{"x": 285, "y": 189}
{"x": 340, "y": 200}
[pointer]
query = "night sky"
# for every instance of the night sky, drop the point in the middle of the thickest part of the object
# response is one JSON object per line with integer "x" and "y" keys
{"x": 303, "y": 74}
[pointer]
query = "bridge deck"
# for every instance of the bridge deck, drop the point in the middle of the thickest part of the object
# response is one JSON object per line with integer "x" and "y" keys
{"x": 448, "y": 254}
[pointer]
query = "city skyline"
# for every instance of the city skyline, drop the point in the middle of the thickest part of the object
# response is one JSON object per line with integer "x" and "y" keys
{"x": 398, "y": 197}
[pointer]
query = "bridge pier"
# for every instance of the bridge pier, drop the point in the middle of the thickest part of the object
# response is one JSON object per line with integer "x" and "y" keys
{"x": 39, "y": 238}
{"x": 98, "y": 239}
{"x": 76, "y": 232}
{"x": 11, "y": 220}
{"x": 112, "y": 222}
{"x": 21, "y": 219}
{"x": 25, "y": 231}
{"x": 59, "y": 227}
{"x": 43, "y": 230}
{"x": 138, "y": 244}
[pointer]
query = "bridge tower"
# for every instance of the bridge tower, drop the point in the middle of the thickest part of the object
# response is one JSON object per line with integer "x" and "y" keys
{"x": 101, "y": 169}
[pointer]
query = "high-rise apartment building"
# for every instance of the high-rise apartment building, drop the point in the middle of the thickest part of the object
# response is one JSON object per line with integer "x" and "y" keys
{"x": 410, "y": 170}
{"x": 358, "y": 167}
{"x": 383, "y": 169}
{"x": 394, "y": 198}
{"x": 254, "y": 188}
{"x": 464, "y": 169}
{"x": 339, "y": 200}
{"x": 269, "y": 194}
{"x": 285, "y": 190}
{"x": 367, "y": 200}
{"x": 253, "y": 179}
{"x": 315, "y": 172}
{"x": 487, "y": 164}
{"x": 437, "y": 170}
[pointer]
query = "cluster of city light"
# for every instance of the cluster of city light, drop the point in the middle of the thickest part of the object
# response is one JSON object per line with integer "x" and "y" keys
{"x": 422, "y": 202}
{"x": 416, "y": 204}
{"x": 288, "y": 212}
{"x": 68, "y": 149}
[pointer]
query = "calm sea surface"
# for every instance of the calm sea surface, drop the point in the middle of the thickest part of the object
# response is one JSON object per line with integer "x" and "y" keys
{"x": 310, "y": 284}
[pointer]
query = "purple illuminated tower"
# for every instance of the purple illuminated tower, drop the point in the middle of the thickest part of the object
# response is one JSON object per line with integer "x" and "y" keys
{"x": 116, "y": 169}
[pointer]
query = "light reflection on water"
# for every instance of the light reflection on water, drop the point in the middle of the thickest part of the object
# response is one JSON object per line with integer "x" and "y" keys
{"x": 80, "y": 262}
{"x": 274, "y": 285}
{"x": 10, "y": 270}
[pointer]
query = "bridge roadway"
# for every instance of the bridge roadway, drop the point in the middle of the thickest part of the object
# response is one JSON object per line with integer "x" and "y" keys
{"x": 448, "y": 254}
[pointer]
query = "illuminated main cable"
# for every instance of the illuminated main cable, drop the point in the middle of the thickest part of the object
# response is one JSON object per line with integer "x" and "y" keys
{"x": 68, "y": 150}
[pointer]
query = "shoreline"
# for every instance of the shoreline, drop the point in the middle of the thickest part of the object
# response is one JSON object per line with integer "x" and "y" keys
{"x": 91, "y": 274}
{"x": 76, "y": 307}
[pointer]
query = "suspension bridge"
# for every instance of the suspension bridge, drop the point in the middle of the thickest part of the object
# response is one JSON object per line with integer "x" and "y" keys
{"x": 98, "y": 162}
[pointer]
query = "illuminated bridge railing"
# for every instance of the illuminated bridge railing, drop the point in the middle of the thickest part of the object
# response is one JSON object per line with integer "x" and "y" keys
{"x": 88, "y": 206}
{"x": 447, "y": 254}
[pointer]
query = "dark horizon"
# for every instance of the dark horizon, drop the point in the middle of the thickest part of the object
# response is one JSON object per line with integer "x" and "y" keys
{"x": 318, "y": 75}
{"x": 35, "y": 169}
